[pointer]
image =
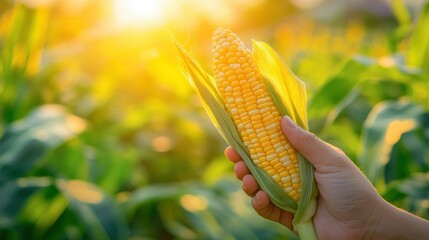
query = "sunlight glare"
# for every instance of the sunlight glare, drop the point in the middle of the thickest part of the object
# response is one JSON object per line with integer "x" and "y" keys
{"x": 194, "y": 203}
{"x": 147, "y": 12}
{"x": 81, "y": 191}
{"x": 394, "y": 132}
{"x": 162, "y": 144}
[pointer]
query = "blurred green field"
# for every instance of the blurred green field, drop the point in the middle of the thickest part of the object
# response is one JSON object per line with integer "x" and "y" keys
{"x": 101, "y": 136}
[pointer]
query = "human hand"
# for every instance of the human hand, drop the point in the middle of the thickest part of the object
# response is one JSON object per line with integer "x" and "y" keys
{"x": 348, "y": 206}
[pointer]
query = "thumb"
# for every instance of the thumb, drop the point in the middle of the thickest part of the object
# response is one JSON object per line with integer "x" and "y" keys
{"x": 316, "y": 151}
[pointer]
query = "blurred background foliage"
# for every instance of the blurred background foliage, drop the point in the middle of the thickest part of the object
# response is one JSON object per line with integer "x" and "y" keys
{"x": 103, "y": 138}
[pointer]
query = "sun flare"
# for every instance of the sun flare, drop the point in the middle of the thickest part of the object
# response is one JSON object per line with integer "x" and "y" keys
{"x": 145, "y": 12}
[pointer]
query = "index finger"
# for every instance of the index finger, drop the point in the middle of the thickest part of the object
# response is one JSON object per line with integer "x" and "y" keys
{"x": 232, "y": 155}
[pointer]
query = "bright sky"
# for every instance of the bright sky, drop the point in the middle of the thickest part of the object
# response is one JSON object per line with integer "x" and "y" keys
{"x": 157, "y": 12}
{"x": 150, "y": 12}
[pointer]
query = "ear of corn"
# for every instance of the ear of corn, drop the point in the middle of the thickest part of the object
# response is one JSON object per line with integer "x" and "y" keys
{"x": 246, "y": 100}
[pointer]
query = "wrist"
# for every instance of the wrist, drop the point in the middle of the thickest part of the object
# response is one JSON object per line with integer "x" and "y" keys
{"x": 377, "y": 220}
{"x": 395, "y": 223}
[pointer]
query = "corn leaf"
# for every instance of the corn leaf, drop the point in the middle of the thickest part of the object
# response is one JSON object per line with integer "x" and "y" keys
{"x": 418, "y": 53}
{"x": 412, "y": 146}
{"x": 15, "y": 195}
{"x": 338, "y": 88}
{"x": 25, "y": 141}
{"x": 382, "y": 129}
{"x": 95, "y": 209}
{"x": 412, "y": 190}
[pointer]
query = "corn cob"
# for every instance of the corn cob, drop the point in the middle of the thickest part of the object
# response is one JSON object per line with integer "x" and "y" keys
{"x": 245, "y": 100}
{"x": 253, "y": 111}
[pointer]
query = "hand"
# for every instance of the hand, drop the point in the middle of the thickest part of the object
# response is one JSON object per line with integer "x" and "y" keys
{"x": 348, "y": 206}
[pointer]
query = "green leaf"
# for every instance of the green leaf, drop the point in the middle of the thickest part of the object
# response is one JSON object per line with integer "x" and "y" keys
{"x": 401, "y": 12}
{"x": 410, "y": 194}
{"x": 15, "y": 195}
{"x": 98, "y": 213}
{"x": 42, "y": 209}
{"x": 27, "y": 140}
{"x": 152, "y": 193}
{"x": 418, "y": 53}
{"x": 403, "y": 17}
{"x": 416, "y": 187}
{"x": 382, "y": 129}
{"x": 20, "y": 57}
{"x": 408, "y": 156}
{"x": 337, "y": 89}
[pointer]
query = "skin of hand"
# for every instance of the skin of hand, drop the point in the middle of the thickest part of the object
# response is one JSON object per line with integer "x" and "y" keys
{"x": 348, "y": 206}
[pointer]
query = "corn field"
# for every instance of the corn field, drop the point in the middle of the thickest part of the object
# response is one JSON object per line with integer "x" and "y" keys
{"x": 102, "y": 137}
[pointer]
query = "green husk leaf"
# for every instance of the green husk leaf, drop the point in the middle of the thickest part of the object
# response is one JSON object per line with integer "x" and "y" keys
{"x": 277, "y": 195}
{"x": 213, "y": 104}
{"x": 308, "y": 193}
{"x": 286, "y": 89}
{"x": 202, "y": 83}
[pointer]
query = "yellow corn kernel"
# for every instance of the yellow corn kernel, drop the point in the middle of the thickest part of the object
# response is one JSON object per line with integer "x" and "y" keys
{"x": 239, "y": 81}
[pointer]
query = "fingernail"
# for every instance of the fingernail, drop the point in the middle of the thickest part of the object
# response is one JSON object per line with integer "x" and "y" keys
{"x": 288, "y": 122}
